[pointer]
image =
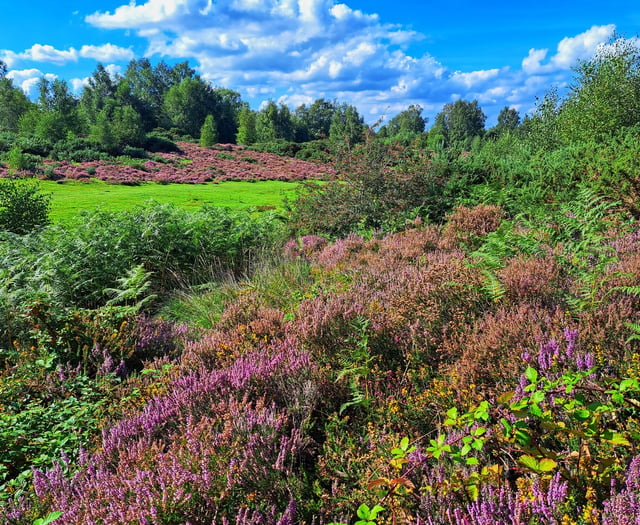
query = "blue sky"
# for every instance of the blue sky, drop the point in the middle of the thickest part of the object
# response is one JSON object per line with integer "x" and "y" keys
{"x": 379, "y": 55}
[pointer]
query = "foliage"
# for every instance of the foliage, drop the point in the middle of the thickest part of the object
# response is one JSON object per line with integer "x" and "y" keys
{"x": 23, "y": 208}
{"x": 465, "y": 351}
{"x": 208, "y": 132}
{"x": 247, "y": 132}
{"x": 459, "y": 122}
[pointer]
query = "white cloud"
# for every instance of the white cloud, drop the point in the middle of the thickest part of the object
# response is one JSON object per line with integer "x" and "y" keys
{"x": 78, "y": 84}
{"x": 59, "y": 57}
{"x": 582, "y": 46}
{"x": 107, "y": 53}
{"x": 570, "y": 50}
{"x": 472, "y": 79}
{"x": 46, "y": 53}
{"x": 532, "y": 63}
{"x": 296, "y": 50}
{"x": 27, "y": 79}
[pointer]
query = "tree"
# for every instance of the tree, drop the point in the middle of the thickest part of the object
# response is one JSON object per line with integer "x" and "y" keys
{"x": 274, "y": 122}
{"x": 147, "y": 86}
{"x": 56, "y": 114}
{"x": 187, "y": 104}
{"x": 247, "y": 127}
{"x": 99, "y": 91}
{"x": 127, "y": 126}
{"x": 3, "y": 69}
{"x": 347, "y": 125}
{"x": 208, "y": 132}
{"x": 13, "y": 104}
{"x": 408, "y": 121}
{"x": 227, "y": 107}
{"x": 315, "y": 119}
{"x": 101, "y": 132}
{"x": 23, "y": 208}
{"x": 460, "y": 122}
{"x": 508, "y": 119}
{"x": 605, "y": 95}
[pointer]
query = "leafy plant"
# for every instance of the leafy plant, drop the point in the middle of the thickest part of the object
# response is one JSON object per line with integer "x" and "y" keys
{"x": 23, "y": 208}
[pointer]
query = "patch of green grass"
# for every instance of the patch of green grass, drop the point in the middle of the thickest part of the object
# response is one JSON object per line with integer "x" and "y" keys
{"x": 71, "y": 198}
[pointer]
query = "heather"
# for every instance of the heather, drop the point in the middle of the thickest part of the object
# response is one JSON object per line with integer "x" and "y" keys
{"x": 445, "y": 332}
{"x": 191, "y": 164}
{"x": 433, "y": 376}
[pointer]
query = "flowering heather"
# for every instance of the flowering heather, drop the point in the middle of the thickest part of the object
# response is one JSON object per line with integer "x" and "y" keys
{"x": 537, "y": 501}
{"x": 488, "y": 351}
{"x": 532, "y": 279}
{"x": 304, "y": 246}
{"x": 194, "y": 165}
{"x": 217, "y": 442}
{"x": 623, "y": 507}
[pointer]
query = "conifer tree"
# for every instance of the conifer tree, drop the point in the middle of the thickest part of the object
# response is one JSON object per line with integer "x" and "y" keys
{"x": 208, "y": 132}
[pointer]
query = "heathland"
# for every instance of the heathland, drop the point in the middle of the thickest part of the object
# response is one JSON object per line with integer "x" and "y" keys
{"x": 433, "y": 326}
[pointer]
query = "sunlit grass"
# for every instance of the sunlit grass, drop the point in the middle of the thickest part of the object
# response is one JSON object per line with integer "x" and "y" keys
{"x": 71, "y": 198}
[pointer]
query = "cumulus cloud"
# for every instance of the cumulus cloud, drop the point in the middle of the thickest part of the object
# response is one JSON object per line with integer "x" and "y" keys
{"x": 570, "y": 50}
{"x": 107, "y": 53}
{"x": 27, "y": 79}
{"x": 299, "y": 50}
{"x": 49, "y": 54}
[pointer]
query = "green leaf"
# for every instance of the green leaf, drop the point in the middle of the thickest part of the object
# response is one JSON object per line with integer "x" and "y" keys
{"x": 531, "y": 374}
{"x": 50, "y": 518}
{"x": 529, "y": 462}
{"x": 628, "y": 384}
{"x": 506, "y": 397}
{"x": 546, "y": 465}
{"x": 535, "y": 410}
{"x": 582, "y": 414}
{"x": 375, "y": 511}
{"x": 363, "y": 511}
{"x": 537, "y": 397}
{"x": 615, "y": 438}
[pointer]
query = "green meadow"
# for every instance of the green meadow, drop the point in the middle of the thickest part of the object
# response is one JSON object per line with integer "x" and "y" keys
{"x": 70, "y": 198}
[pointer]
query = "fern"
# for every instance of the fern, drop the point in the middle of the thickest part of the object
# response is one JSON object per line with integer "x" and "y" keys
{"x": 356, "y": 363}
{"x": 635, "y": 329}
{"x": 629, "y": 290}
{"x": 492, "y": 286}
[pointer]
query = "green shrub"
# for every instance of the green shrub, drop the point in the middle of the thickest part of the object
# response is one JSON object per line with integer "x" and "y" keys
{"x": 22, "y": 207}
{"x": 157, "y": 143}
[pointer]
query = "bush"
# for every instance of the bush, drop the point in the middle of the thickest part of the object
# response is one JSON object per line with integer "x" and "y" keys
{"x": 157, "y": 143}
{"x": 75, "y": 149}
{"x": 22, "y": 207}
{"x": 279, "y": 147}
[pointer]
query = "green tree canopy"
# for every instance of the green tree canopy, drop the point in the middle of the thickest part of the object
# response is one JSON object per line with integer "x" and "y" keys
{"x": 187, "y": 104}
{"x": 461, "y": 121}
{"x": 13, "y": 104}
{"x": 316, "y": 118}
{"x": 208, "y": 132}
{"x": 408, "y": 121}
{"x": 246, "y": 127}
{"x": 347, "y": 125}
{"x": 605, "y": 95}
{"x": 274, "y": 123}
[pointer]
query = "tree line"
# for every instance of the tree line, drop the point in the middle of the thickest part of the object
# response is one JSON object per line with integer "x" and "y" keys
{"x": 114, "y": 111}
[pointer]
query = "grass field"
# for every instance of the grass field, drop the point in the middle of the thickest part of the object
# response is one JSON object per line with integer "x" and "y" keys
{"x": 71, "y": 198}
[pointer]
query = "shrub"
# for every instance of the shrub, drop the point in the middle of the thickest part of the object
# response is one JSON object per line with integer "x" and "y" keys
{"x": 157, "y": 143}
{"x": 23, "y": 208}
